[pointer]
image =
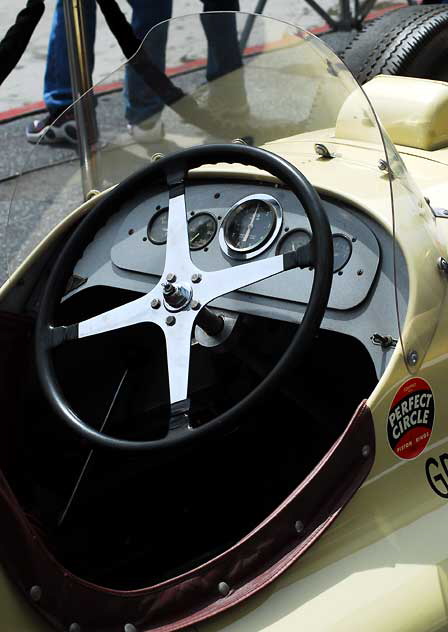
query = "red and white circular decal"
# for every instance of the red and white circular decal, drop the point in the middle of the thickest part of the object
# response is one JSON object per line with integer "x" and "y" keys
{"x": 411, "y": 417}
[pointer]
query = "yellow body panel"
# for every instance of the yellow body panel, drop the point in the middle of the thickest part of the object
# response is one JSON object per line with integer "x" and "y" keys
{"x": 383, "y": 565}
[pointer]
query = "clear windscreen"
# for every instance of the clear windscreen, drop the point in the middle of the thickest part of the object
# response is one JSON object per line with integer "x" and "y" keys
{"x": 196, "y": 80}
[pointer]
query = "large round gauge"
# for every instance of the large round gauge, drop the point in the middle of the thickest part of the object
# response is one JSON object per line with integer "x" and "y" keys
{"x": 158, "y": 227}
{"x": 250, "y": 226}
{"x": 201, "y": 230}
{"x": 293, "y": 240}
{"x": 342, "y": 251}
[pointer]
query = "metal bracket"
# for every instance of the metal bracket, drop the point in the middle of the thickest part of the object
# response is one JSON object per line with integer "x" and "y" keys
{"x": 383, "y": 341}
{"x": 440, "y": 212}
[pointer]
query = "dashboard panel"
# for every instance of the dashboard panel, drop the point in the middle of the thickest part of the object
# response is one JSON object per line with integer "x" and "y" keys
{"x": 238, "y": 221}
{"x": 362, "y": 300}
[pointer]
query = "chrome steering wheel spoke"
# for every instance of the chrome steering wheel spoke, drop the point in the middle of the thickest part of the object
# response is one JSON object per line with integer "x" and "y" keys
{"x": 222, "y": 282}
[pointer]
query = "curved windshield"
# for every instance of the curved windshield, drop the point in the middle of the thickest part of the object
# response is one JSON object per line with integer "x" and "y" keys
{"x": 192, "y": 82}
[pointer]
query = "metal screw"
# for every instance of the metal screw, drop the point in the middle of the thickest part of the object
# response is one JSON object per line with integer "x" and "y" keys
{"x": 382, "y": 165}
{"x": 442, "y": 264}
{"x": 195, "y": 305}
{"x": 92, "y": 193}
{"x": 365, "y": 451}
{"x": 170, "y": 277}
{"x": 130, "y": 628}
{"x": 413, "y": 357}
{"x": 299, "y": 526}
{"x": 360, "y": 272}
{"x": 75, "y": 627}
{"x": 36, "y": 593}
{"x": 155, "y": 303}
{"x": 170, "y": 320}
{"x": 223, "y": 588}
{"x": 168, "y": 288}
{"x": 157, "y": 156}
{"x": 196, "y": 278}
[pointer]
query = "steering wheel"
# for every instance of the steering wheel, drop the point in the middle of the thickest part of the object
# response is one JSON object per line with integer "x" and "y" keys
{"x": 175, "y": 305}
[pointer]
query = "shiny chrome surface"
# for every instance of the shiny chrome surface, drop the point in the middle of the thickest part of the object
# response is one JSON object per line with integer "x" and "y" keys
{"x": 206, "y": 286}
{"x": 248, "y": 251}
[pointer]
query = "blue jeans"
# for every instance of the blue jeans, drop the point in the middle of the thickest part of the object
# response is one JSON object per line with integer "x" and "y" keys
{"x": 140, "y": 101}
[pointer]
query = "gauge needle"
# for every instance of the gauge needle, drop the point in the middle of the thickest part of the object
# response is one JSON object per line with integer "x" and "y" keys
{"x": 193, "y": 238}
{"x": 251, "y": 224}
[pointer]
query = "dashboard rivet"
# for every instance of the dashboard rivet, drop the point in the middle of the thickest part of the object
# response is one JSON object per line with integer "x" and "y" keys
{"x": 155, "y": 303}
{"x": 365, "y": 451}
{"x": 36, "y": 593}
{"x": 196, "y": 278}
{"x": 413, "y": 357}
{"x": 170, "y": 277}
{"x": 360, "y": 272}
{"x": 195, "y": 305}
{"x": 223, "y": 588}
{"x": 170, "y": 321}
{"x": 299, "y": 526}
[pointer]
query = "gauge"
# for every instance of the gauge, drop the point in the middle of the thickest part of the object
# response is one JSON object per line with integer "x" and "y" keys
{"x": 201, "y": 230}
{"x": 294, "y": 240}
{"x": 158, "y": 227}
{"x": 342, "y": 251}
{"x": 250, "y": 226}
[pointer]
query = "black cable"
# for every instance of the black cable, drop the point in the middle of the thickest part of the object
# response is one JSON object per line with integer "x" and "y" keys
{"x": 18, "y": 36}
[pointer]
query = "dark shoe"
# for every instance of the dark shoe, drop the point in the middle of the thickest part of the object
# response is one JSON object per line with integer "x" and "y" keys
{"x": 51, "y": 129}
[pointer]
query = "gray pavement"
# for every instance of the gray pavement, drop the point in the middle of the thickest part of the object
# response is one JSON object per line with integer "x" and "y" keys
{"x": 24, "y": 85}
{"x": 37, "y": 203}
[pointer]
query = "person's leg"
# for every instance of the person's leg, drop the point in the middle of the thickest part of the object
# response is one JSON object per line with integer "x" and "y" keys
{"x": 140, "y": 101}
{"x": 227, "y": 90}
{"x": 223, "y": 46}
{"x": 57, "y": 86}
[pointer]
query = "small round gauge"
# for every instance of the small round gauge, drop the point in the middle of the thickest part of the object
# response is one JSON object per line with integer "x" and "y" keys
{"x": 251, "y": 225}
{"x": 201, "y": 230}
{"x": 158, "y": 227}
{"x": 293, "y": 240}
{"x": 342, "y": 251}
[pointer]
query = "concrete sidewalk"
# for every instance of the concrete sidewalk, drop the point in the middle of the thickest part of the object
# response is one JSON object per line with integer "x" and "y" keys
{"x": 24, "y": 85}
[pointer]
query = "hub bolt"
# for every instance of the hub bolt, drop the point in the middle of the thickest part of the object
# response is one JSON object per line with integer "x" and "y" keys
{"x": 170, "y": 277}
{"x": 168, "y": 289}
{"x": 196, "y": 278}
{"x": 195, "y": 305}
{"x": 155, "y": 303}
{"x": 170, "y": 321}
{"x": 36, "y": 593}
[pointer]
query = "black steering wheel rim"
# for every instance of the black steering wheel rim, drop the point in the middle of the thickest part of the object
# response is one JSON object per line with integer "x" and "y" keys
{"x": 170, "y": 169}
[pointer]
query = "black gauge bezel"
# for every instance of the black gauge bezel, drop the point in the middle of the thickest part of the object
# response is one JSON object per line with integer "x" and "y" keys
{"x": 287, "y": 235}
{"x": 151, "y": 222}
{"x": 349, "y": 241}
{"x": 253, "y": 251}
{"x": 215, "y": 224}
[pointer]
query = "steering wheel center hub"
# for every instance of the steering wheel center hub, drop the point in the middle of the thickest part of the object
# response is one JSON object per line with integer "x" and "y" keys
{"x": 177, "y": 296}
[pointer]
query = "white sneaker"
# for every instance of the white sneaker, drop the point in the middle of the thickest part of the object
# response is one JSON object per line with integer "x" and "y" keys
{"x": 147, "y": 131}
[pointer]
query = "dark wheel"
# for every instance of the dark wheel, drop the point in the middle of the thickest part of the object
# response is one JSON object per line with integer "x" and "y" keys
{"x": 412, "y": 42}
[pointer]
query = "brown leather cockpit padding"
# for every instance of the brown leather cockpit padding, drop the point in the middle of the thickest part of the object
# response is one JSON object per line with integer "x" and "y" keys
{"x": 15, "y": 339}
{"x": 246, "y": 567}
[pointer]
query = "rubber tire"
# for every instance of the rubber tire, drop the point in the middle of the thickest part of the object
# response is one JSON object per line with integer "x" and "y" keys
{"x": 412, "y": 41}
